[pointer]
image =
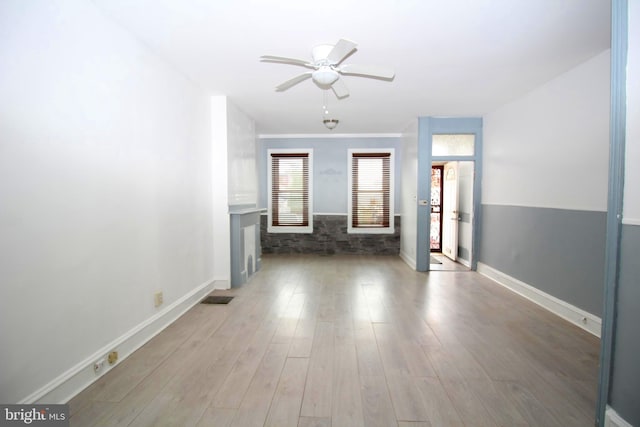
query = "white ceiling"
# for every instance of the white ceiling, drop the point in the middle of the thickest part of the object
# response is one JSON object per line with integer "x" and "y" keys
{"x": 452, "y": 58}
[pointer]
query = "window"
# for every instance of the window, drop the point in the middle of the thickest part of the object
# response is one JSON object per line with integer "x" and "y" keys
{"x": 371, "y": 191}
{"x": 452, "y": 144}
{"x": 289, "y": 181}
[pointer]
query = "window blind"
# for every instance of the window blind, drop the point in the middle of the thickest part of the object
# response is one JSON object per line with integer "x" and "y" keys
{"x": 370, "y": 191}
{"x": 290, "y": 189}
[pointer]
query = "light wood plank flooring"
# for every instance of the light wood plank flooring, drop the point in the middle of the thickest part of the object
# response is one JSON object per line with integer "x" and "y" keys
{"x": 354, "y": 341}
{"x": 446, "y": 264}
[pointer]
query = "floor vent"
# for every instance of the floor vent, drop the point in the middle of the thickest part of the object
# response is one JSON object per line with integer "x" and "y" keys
{"x": 216, "y": 299}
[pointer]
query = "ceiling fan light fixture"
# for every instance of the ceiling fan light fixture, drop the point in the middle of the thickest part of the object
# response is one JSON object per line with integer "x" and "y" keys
{"x": 325, "y": 76}
{"x": 328, "y": 68}
{"x": 331, "y": 123}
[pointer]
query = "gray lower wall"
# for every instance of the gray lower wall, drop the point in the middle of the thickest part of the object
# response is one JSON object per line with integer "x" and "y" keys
{"x": 560, "y": 252}
{"x": 329, "y": 237}
{"x": 625, "y": 382}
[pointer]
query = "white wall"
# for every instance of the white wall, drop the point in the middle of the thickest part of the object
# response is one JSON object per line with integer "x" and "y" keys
{"x": 242, "y": 157}
{"x": 409, "y": 194}
{"x": 105, "y": 189}
{"x": 631, "y": 214}
{"x": 542, "y": 147}
{"x": 234, "y": 162}
{"x": 220, "y": 192}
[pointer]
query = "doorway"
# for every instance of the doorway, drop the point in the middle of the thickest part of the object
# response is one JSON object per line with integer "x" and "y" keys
{"x": 451, "y": 233}
{"x": 449, "y": 170}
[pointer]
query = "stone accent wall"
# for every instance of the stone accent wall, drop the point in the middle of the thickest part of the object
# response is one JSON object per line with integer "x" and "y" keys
{"x": 329, "y": 237}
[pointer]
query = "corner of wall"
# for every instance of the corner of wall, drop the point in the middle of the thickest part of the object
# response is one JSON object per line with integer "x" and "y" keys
{"x": 73, "y": 381}
{"x": 612, "y": 419}
{"x": 568, "y": 312}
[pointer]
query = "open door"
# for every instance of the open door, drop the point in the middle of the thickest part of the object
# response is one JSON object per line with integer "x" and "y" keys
{"x": 450, "y": 208}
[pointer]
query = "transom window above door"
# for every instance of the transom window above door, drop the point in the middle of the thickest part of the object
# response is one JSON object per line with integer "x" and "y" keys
{"x": 453, "y": 145}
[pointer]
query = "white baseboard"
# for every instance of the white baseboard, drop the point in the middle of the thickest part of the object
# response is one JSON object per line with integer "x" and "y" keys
{"x": 631, "y": 221}
{"x": 76, "y": 379}
{"x": 464, "y": 262}
{"x": 612, "y": 419}
{"x": 571, "y": 313}
{"x": 409, "y": 260}
{"x": 222, "y": 284}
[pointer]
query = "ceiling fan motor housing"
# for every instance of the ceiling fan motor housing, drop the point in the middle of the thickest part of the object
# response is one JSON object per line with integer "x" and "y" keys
{"x": 325, "y": 75}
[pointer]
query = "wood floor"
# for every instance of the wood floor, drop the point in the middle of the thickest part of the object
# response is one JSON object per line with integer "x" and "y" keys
{"x": 354, "y": 341}
{"x": 446, "y": 264}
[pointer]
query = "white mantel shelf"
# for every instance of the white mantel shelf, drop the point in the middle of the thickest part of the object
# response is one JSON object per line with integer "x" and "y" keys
{"x": 244, "y": 211}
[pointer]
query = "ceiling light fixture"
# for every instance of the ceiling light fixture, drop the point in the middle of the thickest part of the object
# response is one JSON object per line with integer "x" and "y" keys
{"x": 325, "y": 75}
{"x": 331, "y": 123}
{"x": 326, "y": 120}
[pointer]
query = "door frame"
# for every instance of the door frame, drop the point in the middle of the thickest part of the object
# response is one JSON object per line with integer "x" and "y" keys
{"x": 615, "y": 198}
{"x": 427, "y": 127}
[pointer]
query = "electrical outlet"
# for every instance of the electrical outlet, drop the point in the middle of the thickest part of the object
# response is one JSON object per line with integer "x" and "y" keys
{"x": 112, "y": 357}
{"x": 158, "y": 299}
{"x": 97, "y": 367}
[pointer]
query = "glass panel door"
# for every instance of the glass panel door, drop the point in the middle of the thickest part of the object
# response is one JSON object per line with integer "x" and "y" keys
{"x": 436, "y": 209}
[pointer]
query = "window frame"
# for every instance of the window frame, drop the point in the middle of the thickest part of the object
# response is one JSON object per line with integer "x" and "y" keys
{"x": 290, "y": 228}
{"x": 371, "y": 230}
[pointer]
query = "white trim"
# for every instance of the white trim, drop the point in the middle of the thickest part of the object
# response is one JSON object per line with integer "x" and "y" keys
{"x": 293, "y": 230}
{"x": 328, "y": 135}
{"x": 331, "y": 213}
{"x": 328, "y": 213}
{"x": 287, "y": 229}
{"x": 631, "y": 221}
{"x": 613, "y": 419}
{"x": 382, "y": 230}
{"x": 571, "y": 313}
{"x": 80, "y": 376}
{"x": 411, "y": 262}
{"x": 372, "y": 230}
{"x": 562, "y": 208}
{"x": 464, "y": 262}
{"x": 222, "y": 284}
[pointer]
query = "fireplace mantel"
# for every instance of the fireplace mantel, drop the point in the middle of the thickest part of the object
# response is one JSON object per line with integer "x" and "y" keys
{"x": 245, "y": 243}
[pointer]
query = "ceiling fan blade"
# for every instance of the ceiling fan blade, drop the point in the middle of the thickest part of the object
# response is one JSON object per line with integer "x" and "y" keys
{"x": 294, "y": 81}
{"x": 340, "y": 89}
{"x": 368, "y": 71}
{"x": 285, "y": 60}
{"x": 341, "y": 50}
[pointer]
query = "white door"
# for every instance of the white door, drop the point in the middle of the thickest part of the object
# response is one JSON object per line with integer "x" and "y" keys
{"x": 450, "y": 214}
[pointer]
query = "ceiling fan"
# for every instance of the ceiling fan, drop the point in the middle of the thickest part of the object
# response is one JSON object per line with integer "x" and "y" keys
{"x": 327, "y": 68}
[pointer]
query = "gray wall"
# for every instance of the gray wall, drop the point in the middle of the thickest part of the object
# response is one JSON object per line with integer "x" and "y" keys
{"x": 330, "y": 196}
{"x": 329, "y": 168}
{"x": 559, "y": 251}
{"x": 625, "y": 389}
{"x": 544, "y": 185}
